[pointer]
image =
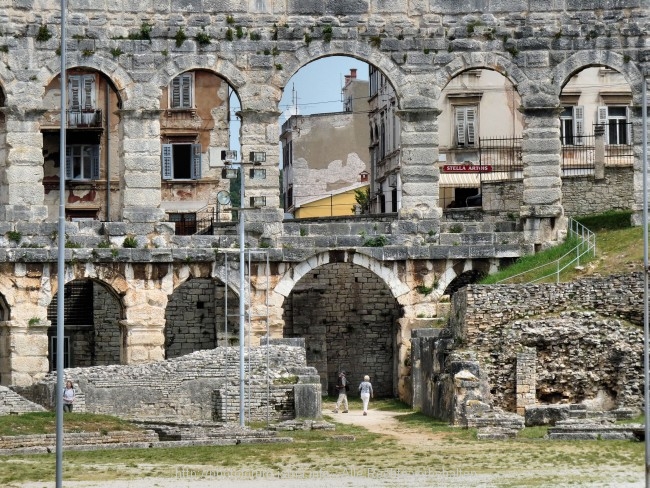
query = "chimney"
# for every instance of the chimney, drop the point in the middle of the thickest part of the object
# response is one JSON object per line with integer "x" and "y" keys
{"x": 353, "y": 73}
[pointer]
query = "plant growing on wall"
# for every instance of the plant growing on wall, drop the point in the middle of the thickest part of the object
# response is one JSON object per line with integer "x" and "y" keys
{"x": 130, "y": 242}
{"x": 180, "y": 37}
{"x": 327, "y": 33}
{"x": 14, "y": 236}
{"x": 43, "y": 34}
{"x": 203, "y": 38}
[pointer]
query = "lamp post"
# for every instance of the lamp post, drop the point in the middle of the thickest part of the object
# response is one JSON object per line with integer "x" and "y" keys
{"x": 230, "y": 172}
{"x": 60, "y": 330}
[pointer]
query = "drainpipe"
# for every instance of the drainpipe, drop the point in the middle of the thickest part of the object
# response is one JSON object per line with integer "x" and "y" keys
{"x": 108, "y": 156}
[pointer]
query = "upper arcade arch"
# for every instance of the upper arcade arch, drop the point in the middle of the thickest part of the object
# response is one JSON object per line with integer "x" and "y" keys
{"x": 296, "y": 272}
{"x": 563, "y": 72}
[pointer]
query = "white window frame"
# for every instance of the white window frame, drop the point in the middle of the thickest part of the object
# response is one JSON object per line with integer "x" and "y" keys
{"x": 466, "y": 125}
{"x": 606, "y": 118}
{"x": 181, "y": 92}
{"x": 167, "y": 161}
{"x": 82, "y": 151}
{"x": 577, "y": 121}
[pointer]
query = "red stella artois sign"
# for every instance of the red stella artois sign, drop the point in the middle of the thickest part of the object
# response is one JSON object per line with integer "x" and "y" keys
{"x": 466, "y": 168}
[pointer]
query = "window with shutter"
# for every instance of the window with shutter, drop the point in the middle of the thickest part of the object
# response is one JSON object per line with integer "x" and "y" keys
{"x": 181, "y": 91}
{"x": 82, "y": 162}
{"x": 181, "y": 161}
{"x": 578, "y": 124}
{"x": 466, "y": 125}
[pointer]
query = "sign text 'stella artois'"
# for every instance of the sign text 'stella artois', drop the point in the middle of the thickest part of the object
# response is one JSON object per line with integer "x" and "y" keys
{"x": 466, "y": 168}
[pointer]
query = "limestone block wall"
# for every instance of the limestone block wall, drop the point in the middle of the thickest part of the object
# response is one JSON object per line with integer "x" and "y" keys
{"x": 189, "y": 387}
{"x": 581, "y": 195}
{"x": 107, "y": 337}
{"x": 348, "y": 319}
{"x": 11, "y": 403}
{"x": 587, "y": 336}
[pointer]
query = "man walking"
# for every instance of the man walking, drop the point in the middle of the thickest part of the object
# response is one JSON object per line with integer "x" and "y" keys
{"x": 342, "y": 387}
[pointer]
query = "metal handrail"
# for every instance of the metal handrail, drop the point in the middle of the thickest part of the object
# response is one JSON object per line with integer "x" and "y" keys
{"x": 586, "y": 245}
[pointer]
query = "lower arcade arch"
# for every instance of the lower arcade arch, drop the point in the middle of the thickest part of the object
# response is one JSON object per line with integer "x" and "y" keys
{"x": 195, "y": 317}
{"x": 92, "y": 332}
{"x": 349, "y": 320}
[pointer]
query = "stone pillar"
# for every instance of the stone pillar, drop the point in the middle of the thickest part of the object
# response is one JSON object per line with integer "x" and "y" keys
{"x": 419, "y": 153}
{"x": 140, "y": 182}
{"x": 142, "y": 343}
{"x": 24, "y": 352}
{"x": 526, "y": 379}
{"x": 599, "y": 152}
{"x": 259, "y": 133}
{"x": 21, "y": 171}
{"x": 542, "y": 209}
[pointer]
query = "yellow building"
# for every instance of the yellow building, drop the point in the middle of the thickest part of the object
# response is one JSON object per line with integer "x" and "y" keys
{"x": 335, "y": 205}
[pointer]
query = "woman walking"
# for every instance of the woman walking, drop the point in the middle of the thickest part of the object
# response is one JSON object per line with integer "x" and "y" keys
{"x": 365, "y": 388}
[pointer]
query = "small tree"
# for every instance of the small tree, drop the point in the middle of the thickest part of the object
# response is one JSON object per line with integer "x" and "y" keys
{"x": 362, "y": 197}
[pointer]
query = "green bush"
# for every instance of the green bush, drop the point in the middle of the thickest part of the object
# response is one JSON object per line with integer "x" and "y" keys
{"x": 615, "y": 219}
{"x": 130, "y": 242}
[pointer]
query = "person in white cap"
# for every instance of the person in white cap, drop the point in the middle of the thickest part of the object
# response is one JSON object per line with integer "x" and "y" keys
{"x": 365, "y": 388}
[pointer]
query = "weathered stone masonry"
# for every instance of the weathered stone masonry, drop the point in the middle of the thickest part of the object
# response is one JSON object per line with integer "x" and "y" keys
{"x": 420, "y": 46}
{"x": 578, "y": 342}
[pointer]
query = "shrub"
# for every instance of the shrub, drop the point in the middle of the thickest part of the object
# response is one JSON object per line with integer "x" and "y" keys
{"x": 180, "y": 37}
{"x": 43, "y": 34}
{"x": 130, "y": 242}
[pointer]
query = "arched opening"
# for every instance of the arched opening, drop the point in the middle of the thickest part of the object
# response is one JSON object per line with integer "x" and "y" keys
{"x": 92, "y": 169}
{"x": 348, "y": 318}
{"x": 464, "y": 279}
{"x": 597, "y": 142}
{"x": 474, "y": 150}
{"x": 195, "y": 317}
{"x": 92, "y": 335}
{"x": 195, "y": 126}
{"x": 333, "y": 162}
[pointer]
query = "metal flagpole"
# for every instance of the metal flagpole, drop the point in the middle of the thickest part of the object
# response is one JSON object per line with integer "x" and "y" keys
{"x": 60, "y": 329}
{"x": 646, "y": 328}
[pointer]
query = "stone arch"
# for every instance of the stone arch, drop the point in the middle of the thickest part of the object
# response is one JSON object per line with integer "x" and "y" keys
{"x": 361, "y": 51}
{"x": 563, "y": 72}
{"x": 296, "y": 272}
{"x": 5, "y": 310}
{"x": 219, "y": 67}
{"x": 93, "y": 312}
{"x": 489, "y": 61}
{"x": 195, "y": 316}
{"x": 348, "y": 313}
{"x": 119, "y": 78}
{"x": 461, "y": 273}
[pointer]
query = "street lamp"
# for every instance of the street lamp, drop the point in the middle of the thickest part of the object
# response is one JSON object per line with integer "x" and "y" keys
{"x": 231, "y": 172}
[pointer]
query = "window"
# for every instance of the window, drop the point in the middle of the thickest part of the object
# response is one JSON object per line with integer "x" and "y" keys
{"x": 66, "y": 352}
{"x": 81, "y": 99}
{"x": 82, "y": 162}
{"x": 181, "y": 161}
{"x": 572, "y": 125}
{"x": 615, "y": 120}
{"x": 180, "y": 92}
{"x": 466, "y": 126}
{"x": 78, "y": 304}
{"x": 185, "y": 223}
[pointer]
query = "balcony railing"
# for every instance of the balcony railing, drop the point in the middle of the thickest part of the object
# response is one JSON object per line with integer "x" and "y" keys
{"x": 85, "y": 118}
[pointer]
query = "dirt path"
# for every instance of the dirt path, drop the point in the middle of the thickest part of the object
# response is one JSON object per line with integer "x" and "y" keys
{"x": 383, "y": 422}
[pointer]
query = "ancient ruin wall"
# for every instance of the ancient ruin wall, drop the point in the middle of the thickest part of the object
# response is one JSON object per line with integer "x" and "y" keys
{"x": 587, "y": 336}
{"x": 196, "y": 386}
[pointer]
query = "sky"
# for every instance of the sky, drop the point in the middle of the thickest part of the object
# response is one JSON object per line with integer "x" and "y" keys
{"x": 317, "y": 88}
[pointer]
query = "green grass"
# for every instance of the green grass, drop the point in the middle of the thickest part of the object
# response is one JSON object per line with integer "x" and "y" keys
{"x": 619, "y": 249}
{"x": 537, "y": 265}
{"x": 45, "y": 423}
